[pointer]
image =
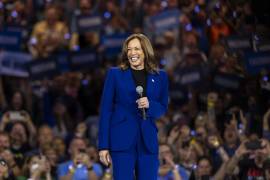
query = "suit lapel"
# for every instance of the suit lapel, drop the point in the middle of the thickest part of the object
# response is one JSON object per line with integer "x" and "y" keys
{"x": 149, "y": 86}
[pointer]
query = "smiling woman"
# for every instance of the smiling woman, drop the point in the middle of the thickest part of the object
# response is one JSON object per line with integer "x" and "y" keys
{"x": 127, "y": 129}
{"x": 139, "y": 45}
{"x": 135, "y": 54}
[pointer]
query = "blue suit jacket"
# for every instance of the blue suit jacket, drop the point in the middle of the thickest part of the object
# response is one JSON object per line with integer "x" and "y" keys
{"x": 118, "y": 125}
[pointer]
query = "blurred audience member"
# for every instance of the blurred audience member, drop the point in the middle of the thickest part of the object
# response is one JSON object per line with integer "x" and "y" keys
{"x": 36, "y": 167}
{"x": 49, "y": 35}
{"x": 80, "y": 165}
{"x": 85, "y": 39}
{"x": 168, "y": 168}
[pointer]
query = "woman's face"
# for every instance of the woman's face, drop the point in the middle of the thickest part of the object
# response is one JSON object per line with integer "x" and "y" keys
{"x": 51, "y": 156}
{"x": 18, "y": 134}
{"x": 204, "y": 167}
{"x": 51, "y": 16}
{"x": 45, "y": 135}
{"x": 59, "y": 146}
{"x": 17, "y": 101}
{"x": 135, "y": 54}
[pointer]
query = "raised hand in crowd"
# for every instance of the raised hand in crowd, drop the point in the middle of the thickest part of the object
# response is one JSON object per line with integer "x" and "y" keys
{"x": 18, "y": 116}
{"x": 266, "y": 121}
{"x": 251, "y": 154}
{"x": 167, "y": 164}
{"x": 215, "y": 143}
{"x": 81, "y": 158}
{"x": 4, "y": 170}
{"x": 9, "y": 158}
{"x": 174, "y": 134}
{"x": 81, "y": 129}
{"x": 39, "y": 167}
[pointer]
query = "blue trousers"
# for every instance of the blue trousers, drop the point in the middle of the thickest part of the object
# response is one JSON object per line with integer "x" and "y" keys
{"x": 136, "y": 163}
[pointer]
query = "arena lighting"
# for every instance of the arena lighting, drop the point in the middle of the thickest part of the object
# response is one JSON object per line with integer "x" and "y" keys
{"x": 188, "y": 27}
{"x": 33, "y": 41}
{"x": 107, "y": 15}
{"x": 164, "y": 4}
{"x": 14, "y": 14}
{"x": 234, "y": 14}
{"x": 217, "y": 5}
{"x": 197, "y": 9}
{"x": 85, "y": 82}
{"x": 76, "y": 47}
{"x": 67, "y": 36}
{"x": 208, "y": 22}
{"x": 265, "y": 78}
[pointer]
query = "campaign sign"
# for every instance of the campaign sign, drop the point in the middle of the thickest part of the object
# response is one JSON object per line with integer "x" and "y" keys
{"x": 89, "y": 23}
{"x": 83, "y": 60}
{"x": 265, "y": 46}
{"x": 113, "y": 44}
{"x": 63, "y": 62}
{"x": 15, "y": 28}
{"x": 238, "y": 43}
{"x": 191, "y": 76}
{"x": 178, "y": 94}
{"x": 257, "y": 61}
{"x": 14, "y": 63}
{"x": 166, "y": 20}
{"x": 227, "y": 81}
{"x": 10, "y": 40}
{"x": 43, "y": 68}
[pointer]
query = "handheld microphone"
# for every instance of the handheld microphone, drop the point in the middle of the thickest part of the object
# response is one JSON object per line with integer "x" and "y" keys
{"x": 139, "y": 90}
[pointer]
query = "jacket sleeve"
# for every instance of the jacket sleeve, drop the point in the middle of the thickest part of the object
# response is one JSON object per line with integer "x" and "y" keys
{"x": 107, "y": 101}
{"x": 158, "y": 108}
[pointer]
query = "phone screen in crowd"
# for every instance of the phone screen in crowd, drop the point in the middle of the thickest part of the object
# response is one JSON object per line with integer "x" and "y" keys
{"x": 34, "y": 167}
{"x": 14, "y": 115}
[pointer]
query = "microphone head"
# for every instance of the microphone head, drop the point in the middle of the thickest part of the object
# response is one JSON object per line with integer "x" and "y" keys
{"x": 139, "y": 89}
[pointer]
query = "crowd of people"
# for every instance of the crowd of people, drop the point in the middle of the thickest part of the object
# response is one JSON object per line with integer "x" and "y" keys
{"x": 212, "y": 130}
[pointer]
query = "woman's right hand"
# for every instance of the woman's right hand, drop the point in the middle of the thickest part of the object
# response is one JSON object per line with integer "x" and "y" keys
{"x": 105, "y": 157}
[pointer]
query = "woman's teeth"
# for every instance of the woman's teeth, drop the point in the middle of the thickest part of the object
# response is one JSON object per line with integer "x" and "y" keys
{"x": 134, "y": 58}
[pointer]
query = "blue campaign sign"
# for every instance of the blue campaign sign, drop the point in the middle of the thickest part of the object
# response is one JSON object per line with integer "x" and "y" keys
{"x": 63, "y": 61}
{"x": 166, "y": 20}
{"x": 113, "y": 44}
{"x": 236, "y": 43}
{"x": 257, "y": 61}
{"x": 13, "y": 28}
{"x": 83, "y": 60}
{"x": 89, "y": 23}
{"x": 10, "y": 40}
{"x": 14, "y": 63}
{"x": 43, "y": 68}
{"x": 227, "y": 81}
{"x": 191, "y": 76}
{"x": 178, "y": 93}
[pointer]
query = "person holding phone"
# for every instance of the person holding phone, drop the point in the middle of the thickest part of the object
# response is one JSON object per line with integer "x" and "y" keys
{"x": 169, "y": 169}
{"x": 80, "y": 166}
{"x": 36, "y": 167}
{"x": 4, "y": 175}
{"x": 251, "y": 159}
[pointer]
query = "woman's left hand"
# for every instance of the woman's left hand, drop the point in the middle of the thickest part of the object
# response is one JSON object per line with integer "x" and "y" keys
{"x": 143, "y": 102}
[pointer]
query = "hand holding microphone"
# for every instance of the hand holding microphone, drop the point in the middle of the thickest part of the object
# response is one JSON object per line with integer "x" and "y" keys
{"x": 143, "y": 102}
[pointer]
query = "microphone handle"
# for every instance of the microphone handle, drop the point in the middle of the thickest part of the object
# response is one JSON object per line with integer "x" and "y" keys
{"x": 144, "y": 114}
{"x": 143, "y": 109}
